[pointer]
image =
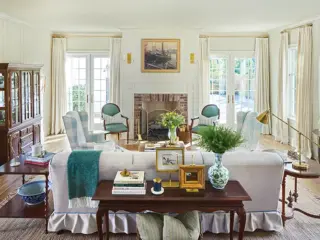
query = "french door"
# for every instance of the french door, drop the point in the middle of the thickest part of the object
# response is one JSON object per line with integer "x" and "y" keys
{"x": 88, "y": 82}
{"x": 232, "y": 84}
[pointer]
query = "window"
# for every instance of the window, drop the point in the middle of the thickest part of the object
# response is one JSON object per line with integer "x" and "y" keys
{"x": 292, "y": 74}
{"x": 88, "y": 85}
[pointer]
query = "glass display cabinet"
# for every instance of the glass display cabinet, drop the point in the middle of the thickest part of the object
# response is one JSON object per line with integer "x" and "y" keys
{"x": 20, "y": 111}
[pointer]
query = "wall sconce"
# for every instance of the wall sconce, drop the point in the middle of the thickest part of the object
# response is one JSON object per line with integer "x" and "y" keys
{"x": 129, "y": 58}
{"x": 192, "y": 58}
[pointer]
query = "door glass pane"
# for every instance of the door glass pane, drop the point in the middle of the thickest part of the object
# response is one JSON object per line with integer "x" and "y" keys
{"x": 36, "y": 90}
{"x": 101, "y": 90}
{"x": 217, "y": 85}
{"x": 1, "y": 80}
{"x": 76, "y": 75}
{"x": 2, "y": 117}
{"x": 244, "y": 77}
{"x": 15, "y": 98}
{"x": 26, "y": 95}
{"x": 2, "y": 102}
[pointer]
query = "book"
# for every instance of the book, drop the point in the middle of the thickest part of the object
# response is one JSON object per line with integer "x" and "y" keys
{"x": 135, "y": 177}
{"x": 47, "y": 157}
{"x": 42, "y": 164}
{"x": 129, "y": 192}
{"x": 130, "y": 187}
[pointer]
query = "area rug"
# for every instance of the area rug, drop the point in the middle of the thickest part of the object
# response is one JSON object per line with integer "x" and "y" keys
{"x": 300, "y": 227}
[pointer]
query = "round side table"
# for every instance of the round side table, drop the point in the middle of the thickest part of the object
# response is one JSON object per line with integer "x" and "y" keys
{"x": 306, "y": 174}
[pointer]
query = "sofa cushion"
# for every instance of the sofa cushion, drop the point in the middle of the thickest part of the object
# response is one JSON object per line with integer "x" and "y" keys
{"x": 150, "y": 226}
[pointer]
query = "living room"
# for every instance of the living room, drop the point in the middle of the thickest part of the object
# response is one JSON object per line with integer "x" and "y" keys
{"x": 99, "y": 62}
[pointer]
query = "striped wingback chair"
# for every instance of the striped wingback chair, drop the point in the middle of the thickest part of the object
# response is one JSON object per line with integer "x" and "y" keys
{"x": 113, "y": 121}
{"x": 76, "y": 125}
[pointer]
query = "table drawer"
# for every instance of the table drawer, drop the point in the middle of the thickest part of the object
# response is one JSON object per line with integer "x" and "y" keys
{"x": 26, "y": 139}
{"x": 23, "y": 132}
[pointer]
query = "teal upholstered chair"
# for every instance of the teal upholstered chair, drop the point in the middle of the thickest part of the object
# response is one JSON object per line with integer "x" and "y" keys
{"x": 210, "y": 115}
{"x": 113, "y": 120}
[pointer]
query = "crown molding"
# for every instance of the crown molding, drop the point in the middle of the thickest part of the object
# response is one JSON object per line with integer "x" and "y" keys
{"x": 5, "y": 16}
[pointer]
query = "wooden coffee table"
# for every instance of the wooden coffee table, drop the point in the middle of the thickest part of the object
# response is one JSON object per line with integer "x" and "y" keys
{"x": 16, "y": 208}
{"x": 173, "y": 200}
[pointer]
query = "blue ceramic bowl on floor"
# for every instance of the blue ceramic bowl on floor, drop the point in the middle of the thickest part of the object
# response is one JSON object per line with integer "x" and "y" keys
{"x": 33, "y": 193}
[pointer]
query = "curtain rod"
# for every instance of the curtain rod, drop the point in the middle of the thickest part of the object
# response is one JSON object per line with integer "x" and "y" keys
{"x": 244, "y": 36}
{"x": 83, "y": 36}
{"x": 300, "y": 26}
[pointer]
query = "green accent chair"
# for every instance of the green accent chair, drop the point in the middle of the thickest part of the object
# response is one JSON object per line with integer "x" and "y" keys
{"x": 110, "y": 110}
{"x": 210, "y": 110}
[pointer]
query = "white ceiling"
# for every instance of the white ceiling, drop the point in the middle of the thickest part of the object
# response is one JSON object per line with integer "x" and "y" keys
{"x": 208, "y": 15}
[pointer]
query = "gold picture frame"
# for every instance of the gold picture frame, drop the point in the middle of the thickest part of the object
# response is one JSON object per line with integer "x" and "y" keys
{"x": 168, "y": 159}
{"x": 196, "y": 176}
{"x": 160, "y": 55}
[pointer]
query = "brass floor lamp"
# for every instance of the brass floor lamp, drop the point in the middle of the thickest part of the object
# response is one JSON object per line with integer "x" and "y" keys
{"x": 264, "y": 119}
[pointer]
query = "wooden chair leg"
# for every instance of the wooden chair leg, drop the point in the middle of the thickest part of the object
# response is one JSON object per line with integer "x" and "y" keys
{"x": 127, "y": 137}
{"x": 118, "y": 136}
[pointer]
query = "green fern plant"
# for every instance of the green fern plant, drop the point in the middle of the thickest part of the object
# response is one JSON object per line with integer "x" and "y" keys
{"x": 219, "y": 139}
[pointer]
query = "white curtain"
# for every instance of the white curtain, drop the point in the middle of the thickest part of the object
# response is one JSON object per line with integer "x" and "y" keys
{"x": 281, "y": 133}
{"x": 115, "y": 70}
{"x": 203, "y": 79}
{"x": 262, "y": 78}
{"x": 304, "y": 88}
{"x": 58, "y": 86}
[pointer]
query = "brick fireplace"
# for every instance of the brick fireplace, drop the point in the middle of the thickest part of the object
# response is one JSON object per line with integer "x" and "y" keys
{"x": 148, "y": 107}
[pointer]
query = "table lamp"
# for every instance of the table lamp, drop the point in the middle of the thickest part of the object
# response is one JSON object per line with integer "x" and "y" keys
{"x": 264, "y": 119}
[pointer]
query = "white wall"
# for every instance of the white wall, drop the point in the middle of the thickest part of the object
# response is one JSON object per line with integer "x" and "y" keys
{"x": 274, "y": 39}
{"x": 88, "y": 44}
{"x": 20, "y": 43}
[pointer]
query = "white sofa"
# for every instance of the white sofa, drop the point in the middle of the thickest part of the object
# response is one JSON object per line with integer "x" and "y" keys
{"x": 260, "y": 173}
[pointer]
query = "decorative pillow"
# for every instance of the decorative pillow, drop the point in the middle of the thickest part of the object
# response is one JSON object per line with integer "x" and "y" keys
{"x": 113, "y": 119}
{"x": 150, "y": 226}
{"x": 184, "y": 226}
{"x": 208, "y": 121}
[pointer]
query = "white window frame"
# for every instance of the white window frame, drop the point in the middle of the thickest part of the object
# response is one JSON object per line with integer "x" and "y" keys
{"x": 292, "y": 77}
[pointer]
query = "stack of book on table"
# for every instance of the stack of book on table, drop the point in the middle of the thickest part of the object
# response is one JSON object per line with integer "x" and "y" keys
{"x": 134, "y": 184}
{"x": 42, "y": 161}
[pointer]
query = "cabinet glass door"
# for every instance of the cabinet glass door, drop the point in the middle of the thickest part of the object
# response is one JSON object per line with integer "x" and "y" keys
{"x": 26, "y": 95}
{"x": 15, "y": 101}
{"x": 36, "y": 91}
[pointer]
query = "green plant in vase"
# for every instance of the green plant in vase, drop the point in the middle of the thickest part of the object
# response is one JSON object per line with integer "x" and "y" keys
{"x": 218, "y": 139}
{"x": 172, "y": 120}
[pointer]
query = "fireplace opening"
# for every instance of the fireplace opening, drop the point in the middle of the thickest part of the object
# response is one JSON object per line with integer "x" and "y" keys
{"x": 149, "y": 107}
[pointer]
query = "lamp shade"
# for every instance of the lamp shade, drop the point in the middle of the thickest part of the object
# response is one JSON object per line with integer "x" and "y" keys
{"x": 264, "y": 117}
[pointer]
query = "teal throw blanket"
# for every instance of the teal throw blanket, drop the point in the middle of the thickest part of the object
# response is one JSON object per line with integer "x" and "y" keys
{"x": 83, "y": 178}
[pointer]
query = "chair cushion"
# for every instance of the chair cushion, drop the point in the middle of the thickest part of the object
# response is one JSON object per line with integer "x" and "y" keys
{"x": 113, "y": 119}
{"x": 116, "y": 127}
{"x": 203, "y": 120}
{"x": 150, "y": 226}
{"x": 197, "y": 128}
{"x": 184, "y": 226}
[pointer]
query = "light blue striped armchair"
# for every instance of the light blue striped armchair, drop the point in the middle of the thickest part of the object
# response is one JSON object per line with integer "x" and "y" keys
{"x": 76, "y": 125}
{"x": 250, "y": 128}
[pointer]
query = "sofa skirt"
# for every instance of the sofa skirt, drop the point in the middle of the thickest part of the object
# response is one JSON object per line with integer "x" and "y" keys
{"x": 123, "y": 222}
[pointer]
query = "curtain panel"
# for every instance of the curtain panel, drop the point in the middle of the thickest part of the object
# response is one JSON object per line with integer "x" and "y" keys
{"x": 203, "y": 79}
{"x": 262, "y": 98}
{"x": 115, "y": 62}
{"x": 58, "y": 86}
{"x": 304, "y": 94}
{"x": 282, "y": 131}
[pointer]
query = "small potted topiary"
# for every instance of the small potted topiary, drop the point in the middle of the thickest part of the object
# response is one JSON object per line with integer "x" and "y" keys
{"x": 218, "y": 139}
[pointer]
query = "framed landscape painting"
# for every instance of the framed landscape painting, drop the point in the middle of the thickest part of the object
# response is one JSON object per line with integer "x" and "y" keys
{"x": 160, "y": 55}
